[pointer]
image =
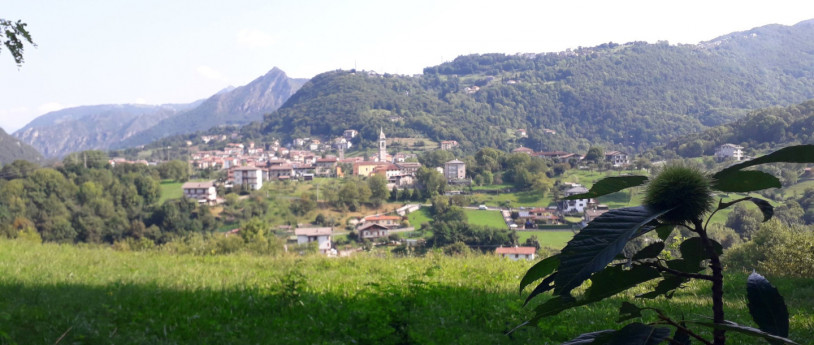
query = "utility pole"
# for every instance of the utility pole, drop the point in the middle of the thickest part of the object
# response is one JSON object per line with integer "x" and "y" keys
{"x": 85, "y": 158}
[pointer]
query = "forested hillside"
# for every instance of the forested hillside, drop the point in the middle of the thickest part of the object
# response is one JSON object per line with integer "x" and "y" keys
{"x": 12, "y": 149}
{"x": 630, "y": 96}
{"x": 760, "y": 129}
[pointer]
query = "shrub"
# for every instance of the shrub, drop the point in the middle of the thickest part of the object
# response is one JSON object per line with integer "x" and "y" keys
{"x": 776, "y": 249}
{"x": 679, "y": 196}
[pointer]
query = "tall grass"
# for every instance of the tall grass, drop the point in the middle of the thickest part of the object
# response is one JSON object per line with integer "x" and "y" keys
{"x": 94, "y": 295}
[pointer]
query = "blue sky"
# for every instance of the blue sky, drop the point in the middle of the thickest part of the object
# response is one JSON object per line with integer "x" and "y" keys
{"x": 154, "y": 52}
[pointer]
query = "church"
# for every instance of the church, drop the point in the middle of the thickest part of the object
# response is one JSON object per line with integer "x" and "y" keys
{"x": 382, "y": 156}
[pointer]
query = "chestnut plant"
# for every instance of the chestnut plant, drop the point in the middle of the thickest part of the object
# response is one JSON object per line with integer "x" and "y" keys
{"x": 677, "y": 197}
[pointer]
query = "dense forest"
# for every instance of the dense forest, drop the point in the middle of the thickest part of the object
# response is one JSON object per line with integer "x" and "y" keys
{"x": 87, "y": 200}
{"x": 758, "y": 130}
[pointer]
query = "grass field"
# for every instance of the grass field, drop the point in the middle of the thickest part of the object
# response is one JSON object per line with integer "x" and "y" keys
{"x": 492, "y": 219}
{"x": 515, "y": 199}
{"x": 555, "y": 239}
{"x": 419, "y": 217}
{"x": 476, "y": 217}
{"x": 170, "y": 190}
{"x": 78, "y": 295}
{"x": 587, "y": 177}
{"x": 798, "y": 188}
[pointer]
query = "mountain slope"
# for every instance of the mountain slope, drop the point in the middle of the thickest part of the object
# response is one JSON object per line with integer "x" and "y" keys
{"x": 103, "y": 127}
{"x": 236, "y": 107}
{"x": 58, "y": 133}
{"x": 631, "y": 96}
{"x": 12, "y": 149}
{"x": 763, "y": 128}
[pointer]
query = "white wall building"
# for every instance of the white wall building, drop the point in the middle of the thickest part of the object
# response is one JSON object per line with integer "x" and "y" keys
{"x": 729, "y": 151}
{"x": 320, "y": 235}
{"x": 517, "y": 253}
{"x": 202, "y": 192}
{"x": 249, "y": 176}
{"x": 572, "y": 206}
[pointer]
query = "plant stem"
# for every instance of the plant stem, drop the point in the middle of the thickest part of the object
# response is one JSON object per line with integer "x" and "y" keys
{"x": 689, "y": 332}
{"x": 719, "y": 335}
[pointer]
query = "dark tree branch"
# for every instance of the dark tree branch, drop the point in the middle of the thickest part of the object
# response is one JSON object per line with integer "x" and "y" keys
{"x": 719, "y": 335}
{"x": 679, "y": 273}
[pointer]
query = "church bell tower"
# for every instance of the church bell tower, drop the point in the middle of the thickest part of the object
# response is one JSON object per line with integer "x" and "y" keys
{"x": 382, "y": 146}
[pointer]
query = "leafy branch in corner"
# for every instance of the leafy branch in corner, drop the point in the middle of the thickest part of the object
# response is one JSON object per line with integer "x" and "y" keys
{"x": 677, "y": 196}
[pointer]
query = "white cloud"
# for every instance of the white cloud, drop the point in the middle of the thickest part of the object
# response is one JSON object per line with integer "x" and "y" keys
{"x": 253, "y": 38}
{"x": 51, "y": 106}
{"x": 210, "y": 73}
{"x": 13, "y": 119}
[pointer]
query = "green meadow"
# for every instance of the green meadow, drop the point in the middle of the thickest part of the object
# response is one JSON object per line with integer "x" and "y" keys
{"x": 555, "y": 239}
{"x": 70, "y": 294}
{"x": 490, "y": 218}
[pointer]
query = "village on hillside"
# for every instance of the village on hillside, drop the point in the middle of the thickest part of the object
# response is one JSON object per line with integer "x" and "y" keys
{"x": 248, "y": 166}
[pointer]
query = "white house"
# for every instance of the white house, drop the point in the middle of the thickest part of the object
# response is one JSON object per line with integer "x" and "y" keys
{"x": 729, "y": 151}
{"x": 248, "y": 176}
{"x": 386, "y": 221}
{"x": 321, "y": 235}
{"x": 617, "y": 158}
{"x": 349, "y": 134}
{"x": 517, "y": 253}
{"x": 578, "y": 205}
{"x": 373, "y": 230}
{"x": 203, "y": 192}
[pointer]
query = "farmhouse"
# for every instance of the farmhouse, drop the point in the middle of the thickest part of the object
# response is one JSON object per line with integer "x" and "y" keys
{"x": 373, "y": 230}
{"x": 320, "y": 235}
{"x": 202, "y": 192}
{"x": 617, "y": 158}
{"x": 517, "y": 253}
{"x": 448, "y": 144}
{"x": 572, "y": 206}
{"x": 386, "y": 221}
{"x": 729, "y": 151}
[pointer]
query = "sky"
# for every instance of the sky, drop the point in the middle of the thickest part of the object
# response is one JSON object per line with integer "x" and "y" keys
{"x": 177, "y": 51}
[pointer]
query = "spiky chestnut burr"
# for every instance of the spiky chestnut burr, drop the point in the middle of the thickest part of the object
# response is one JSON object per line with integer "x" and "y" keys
{"x": 684, "y": 189}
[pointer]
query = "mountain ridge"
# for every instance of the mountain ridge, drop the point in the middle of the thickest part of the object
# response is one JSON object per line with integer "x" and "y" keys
{"x": 103, "y": 127}
{"x": 12, "y": 149}
{"x": 630, "y": 96}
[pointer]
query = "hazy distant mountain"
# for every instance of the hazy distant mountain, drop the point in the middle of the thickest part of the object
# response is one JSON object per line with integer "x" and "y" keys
{"x": 12, "y": 149}
{"x": 626, "y": 96}
{"x": 237, "y": 106}
{"x": 58, "y": 133}
{"x": 122, "y": 125}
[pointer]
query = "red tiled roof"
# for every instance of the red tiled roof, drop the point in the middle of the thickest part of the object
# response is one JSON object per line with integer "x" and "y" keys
{"x": 375, "y": 218}
{"x": 516, "y": 250}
